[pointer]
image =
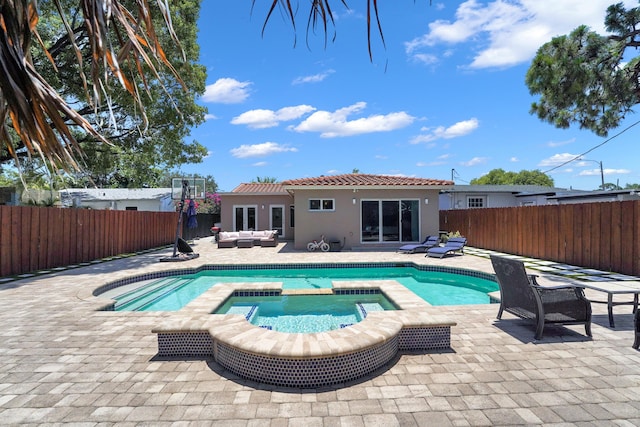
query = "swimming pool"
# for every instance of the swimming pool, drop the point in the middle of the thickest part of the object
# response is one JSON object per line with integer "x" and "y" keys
{"x": 436, "y": 285}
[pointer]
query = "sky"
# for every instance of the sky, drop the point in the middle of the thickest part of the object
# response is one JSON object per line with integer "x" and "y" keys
{"x": 444, "y": 97}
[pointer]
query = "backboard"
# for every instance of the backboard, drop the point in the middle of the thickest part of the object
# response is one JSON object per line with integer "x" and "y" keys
{"x": 195, "y": 188}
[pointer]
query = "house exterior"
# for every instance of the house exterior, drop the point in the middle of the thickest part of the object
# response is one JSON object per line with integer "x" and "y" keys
{"x": 9, "y": 196}
{"x": 502, "y": 196}
{"x": 351, "y": 210}
{"x": 595, "y": 196}
{"x": 257, "y": 206}
{"x": 138, "y": 199}
{"x": 496, "y": 196}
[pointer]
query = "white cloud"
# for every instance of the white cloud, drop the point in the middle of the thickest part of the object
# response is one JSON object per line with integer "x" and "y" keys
{"x": 260, "y": 119}
{"x": 475, "y": 161}
{"x": 514, "y": 159}
{"x": 336, "y": 124}
{"x": 227, "y": 91}
{"x": 260, "y": 150}
{"x": 312, "y": 79}
{"x": 210, "y": 117}
{"x": 259, "y": 164}
{"x": 557, "y": 159}
{"x": 506, "y": 33}
{"x": 456, "y": 130}
{"x": 425, "y": 58}
{"x": 554, "y": 144}
{"x": 596, "y": 172}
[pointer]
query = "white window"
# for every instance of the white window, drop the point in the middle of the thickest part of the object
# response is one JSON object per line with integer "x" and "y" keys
{"x": 321, "y": 204}
{"x": 476, "y": 202}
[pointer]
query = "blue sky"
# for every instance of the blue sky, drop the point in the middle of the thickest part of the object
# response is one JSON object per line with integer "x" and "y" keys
{"x": 445, "y": 97}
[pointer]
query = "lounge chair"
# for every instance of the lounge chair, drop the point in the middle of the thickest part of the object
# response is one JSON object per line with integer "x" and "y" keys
{"x": 453, "y": 245}
{"x": 428, "y": 242}
{"x": 521, "y": 296}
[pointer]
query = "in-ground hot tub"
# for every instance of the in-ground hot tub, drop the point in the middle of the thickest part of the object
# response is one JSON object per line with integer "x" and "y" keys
{"x": 302, "y": 360}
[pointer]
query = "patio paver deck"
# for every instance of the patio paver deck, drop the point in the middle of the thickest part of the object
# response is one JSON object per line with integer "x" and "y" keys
{"x": 63, "y": 362}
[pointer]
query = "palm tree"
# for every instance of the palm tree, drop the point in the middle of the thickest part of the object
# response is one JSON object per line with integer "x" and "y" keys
{"x": 123, "y": 47}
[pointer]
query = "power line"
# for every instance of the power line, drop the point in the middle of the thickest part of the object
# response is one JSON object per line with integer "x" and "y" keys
{"x": 593, "y": 148}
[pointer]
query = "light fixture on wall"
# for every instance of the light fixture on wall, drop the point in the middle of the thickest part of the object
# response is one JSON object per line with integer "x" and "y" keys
{"x": 426, "y": 201}
{"x": 262, "y": 206}
{"x": 354, "y": 200}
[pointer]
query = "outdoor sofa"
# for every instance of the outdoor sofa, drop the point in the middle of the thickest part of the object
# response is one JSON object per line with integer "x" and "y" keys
{"x": 229, "y": 239}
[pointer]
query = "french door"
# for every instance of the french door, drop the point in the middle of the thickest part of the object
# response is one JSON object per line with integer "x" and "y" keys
{"x": 245, "y": 218}
{"x": 390, "y": 221}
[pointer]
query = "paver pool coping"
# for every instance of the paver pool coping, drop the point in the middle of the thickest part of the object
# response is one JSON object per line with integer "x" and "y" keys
{"x": 302, "y": 360}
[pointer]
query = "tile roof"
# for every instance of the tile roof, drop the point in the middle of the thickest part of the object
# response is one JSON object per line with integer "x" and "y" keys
{"x": 361, "y": 179}
{"x": 258, "y": 187}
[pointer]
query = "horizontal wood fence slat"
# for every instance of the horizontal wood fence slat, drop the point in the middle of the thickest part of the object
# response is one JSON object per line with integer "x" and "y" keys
{"x": 36, "y": 238}
{"x": 604, "y": 236}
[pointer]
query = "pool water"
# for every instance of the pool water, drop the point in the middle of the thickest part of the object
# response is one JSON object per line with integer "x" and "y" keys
{"x": 173, "y": 293}
{"x": 306, "y": 313}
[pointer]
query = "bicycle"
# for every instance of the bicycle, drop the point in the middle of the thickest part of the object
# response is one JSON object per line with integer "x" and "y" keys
{"x": 322, "y": 245}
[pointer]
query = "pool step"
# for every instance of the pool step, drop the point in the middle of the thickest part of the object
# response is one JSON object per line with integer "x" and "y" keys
{"x": 141, "y": 290}
{"x": 137, "y": 301}
{"x": 248, "y": 311}
{"x": 364, "y": 308}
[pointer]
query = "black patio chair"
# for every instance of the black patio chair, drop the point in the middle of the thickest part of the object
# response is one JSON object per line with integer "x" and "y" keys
{"x": 636, "y": 326}
{"x": 522, "y": 296}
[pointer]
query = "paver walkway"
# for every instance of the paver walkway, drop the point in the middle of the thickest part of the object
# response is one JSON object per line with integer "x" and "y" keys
{"x": 63, "y": 362}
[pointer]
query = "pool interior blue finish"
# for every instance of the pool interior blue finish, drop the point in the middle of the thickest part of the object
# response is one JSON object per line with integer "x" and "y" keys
{"x": 436, "y": 287}
{"x": 305, "y": 313}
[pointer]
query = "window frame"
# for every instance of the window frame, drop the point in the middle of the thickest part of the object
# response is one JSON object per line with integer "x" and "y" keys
{"x": 473, "y": 200}
{"x": 321, "y": 205}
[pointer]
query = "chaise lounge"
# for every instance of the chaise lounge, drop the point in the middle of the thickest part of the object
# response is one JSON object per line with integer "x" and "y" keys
{"x": 452, "y": 246}
{"x": 521, "y": 296}
{"x": 427, "y": 243}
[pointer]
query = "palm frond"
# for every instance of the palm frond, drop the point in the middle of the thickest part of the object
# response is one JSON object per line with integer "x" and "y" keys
{"x": 40, "y": 117}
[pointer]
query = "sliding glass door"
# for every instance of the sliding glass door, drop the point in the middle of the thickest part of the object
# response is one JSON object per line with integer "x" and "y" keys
{"x": 390, "y": 221}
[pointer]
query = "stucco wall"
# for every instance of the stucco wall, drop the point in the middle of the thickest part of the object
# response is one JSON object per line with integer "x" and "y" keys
{"x": 262, "y": 204}
{"x": 343, "y": 224}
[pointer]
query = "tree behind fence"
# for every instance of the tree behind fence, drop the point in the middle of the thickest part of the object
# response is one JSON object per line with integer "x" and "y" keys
{"x": 37, "y": 238}
{"x": 604, "y": 236}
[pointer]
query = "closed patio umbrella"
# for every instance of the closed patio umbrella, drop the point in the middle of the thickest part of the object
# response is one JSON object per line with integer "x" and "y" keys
{"x": 192, "y": 220}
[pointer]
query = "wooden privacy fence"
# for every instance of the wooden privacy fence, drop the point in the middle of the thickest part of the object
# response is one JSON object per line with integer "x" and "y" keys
{"x": 37, "y": 238}
{"x": 604, "y": 236}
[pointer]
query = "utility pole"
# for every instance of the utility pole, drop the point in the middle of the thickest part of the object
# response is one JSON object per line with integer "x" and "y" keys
{"x": 602, "y": 175}
{"x": 599, "y": 162}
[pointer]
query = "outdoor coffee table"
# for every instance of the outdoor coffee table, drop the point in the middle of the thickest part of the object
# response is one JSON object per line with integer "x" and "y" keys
{"x": 615, "y": 288}
{"x": 245, "y": 243}
{"x": 610, "y": 287}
